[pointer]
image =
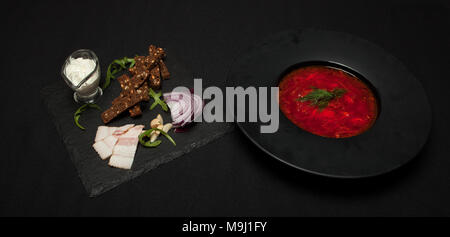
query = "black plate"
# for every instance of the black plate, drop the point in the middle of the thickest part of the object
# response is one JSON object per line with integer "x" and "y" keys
{"x": 397, "y": 136}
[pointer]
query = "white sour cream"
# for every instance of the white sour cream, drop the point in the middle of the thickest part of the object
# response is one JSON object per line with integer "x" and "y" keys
{"x": 79, "y": 68}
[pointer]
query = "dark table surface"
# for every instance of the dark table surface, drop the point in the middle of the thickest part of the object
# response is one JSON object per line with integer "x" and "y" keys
{"x": 230, "y": 176}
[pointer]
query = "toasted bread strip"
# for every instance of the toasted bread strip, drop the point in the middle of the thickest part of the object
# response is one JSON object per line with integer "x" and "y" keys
{"x": 155, "y": 78}
{"x": 127, "y": 88}
{"x": 165, "y": 74}
{"x": 124, "y": 103}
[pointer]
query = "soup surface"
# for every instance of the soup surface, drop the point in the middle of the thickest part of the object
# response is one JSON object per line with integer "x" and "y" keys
{"x": 328, "y": 102}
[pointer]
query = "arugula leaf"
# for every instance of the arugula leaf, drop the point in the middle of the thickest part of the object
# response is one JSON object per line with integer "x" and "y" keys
{"x": 164, "y": 106}
{"x": 76, "y": 118}
{"x": 156, "y": 143}
{"x": 152, "y": 144}
{"x": 158, "y": 101}
{"x": 153, "y": 105}
{"x": 167, "y": 136}
{"x": 77, "y": 114}
{"x": 151, "y": 93}
{"x": 115, "y": 67}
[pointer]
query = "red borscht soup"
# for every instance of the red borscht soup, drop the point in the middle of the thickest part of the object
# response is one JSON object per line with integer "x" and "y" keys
{"x": 327, "y": 101}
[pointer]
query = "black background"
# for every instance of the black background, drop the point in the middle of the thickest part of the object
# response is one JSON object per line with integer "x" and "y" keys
{"x": 229, "y": 177}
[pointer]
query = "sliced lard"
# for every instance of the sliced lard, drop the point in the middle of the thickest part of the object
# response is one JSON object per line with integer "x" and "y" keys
{"x": 125, "y": 148}
{"x": 105, "y": 147}
{"x": 103, "y": 132}
{"x": 122, "y": 130}
{"x": 103, "y": 150}
{"x": 105, "y": 141}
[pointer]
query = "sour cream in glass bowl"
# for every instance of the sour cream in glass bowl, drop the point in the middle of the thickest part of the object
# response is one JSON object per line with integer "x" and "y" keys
{"x": 81, "y": 72}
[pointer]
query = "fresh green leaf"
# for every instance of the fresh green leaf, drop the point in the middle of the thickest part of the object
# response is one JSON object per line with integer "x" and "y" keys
{"x": 152, "y": 144}
{"x": 164, "y": 106}
{"x": 120, "y": 62}
{"x": 143, "y": 135}
{"x": 167, "y": 136}
{"x": 320, "y": 97}
{"x": 81, "y": 109}
{"x": 338, "y": 92}
{"x": 148, "y": 133}
{"x": 118, "y": 65}
{"x": 108, "y": 77}
{"x": 158, "y": 101}
{"x": 151, "y": 93}
{"x": 153, "y": 105}
{"x": 76, "y": 118}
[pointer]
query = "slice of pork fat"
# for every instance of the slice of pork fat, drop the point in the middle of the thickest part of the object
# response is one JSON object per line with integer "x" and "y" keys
{"x": 105, "y": 147}
{"x": 105, "y": 140}
{"x": 103, "y": 132}
{"x": 121, "y": 130}
{"x": 125, "y": 148}
{"x": 103, "y": 150}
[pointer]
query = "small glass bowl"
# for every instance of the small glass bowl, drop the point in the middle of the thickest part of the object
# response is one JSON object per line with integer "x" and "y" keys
{"x": 87, "y": 90}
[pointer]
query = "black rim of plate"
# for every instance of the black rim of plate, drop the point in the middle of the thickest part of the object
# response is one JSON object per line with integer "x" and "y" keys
{"x": 402, "y": 125}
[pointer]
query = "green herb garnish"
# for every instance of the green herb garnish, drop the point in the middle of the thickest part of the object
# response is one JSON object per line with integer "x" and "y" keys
{"x": 77, "y": 114}
{"x": 151, "y": 144}
{"x": 156, "y": 143}
{"x": 158, "y": 101}
{"x": 115, "y": 67}
{"x": 321, "y": 97}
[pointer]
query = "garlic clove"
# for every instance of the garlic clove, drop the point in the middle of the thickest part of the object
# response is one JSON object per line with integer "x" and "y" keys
{"x": 154, "y": 123}
{"x": 159, "y": 117}
{"x": 167, "y": 127}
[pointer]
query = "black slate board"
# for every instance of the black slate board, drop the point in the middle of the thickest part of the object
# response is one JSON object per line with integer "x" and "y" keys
{"x": 96, "y": 176}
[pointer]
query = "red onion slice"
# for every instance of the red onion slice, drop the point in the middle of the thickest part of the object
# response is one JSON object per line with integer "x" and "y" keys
{"x": 184, "y": 107}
